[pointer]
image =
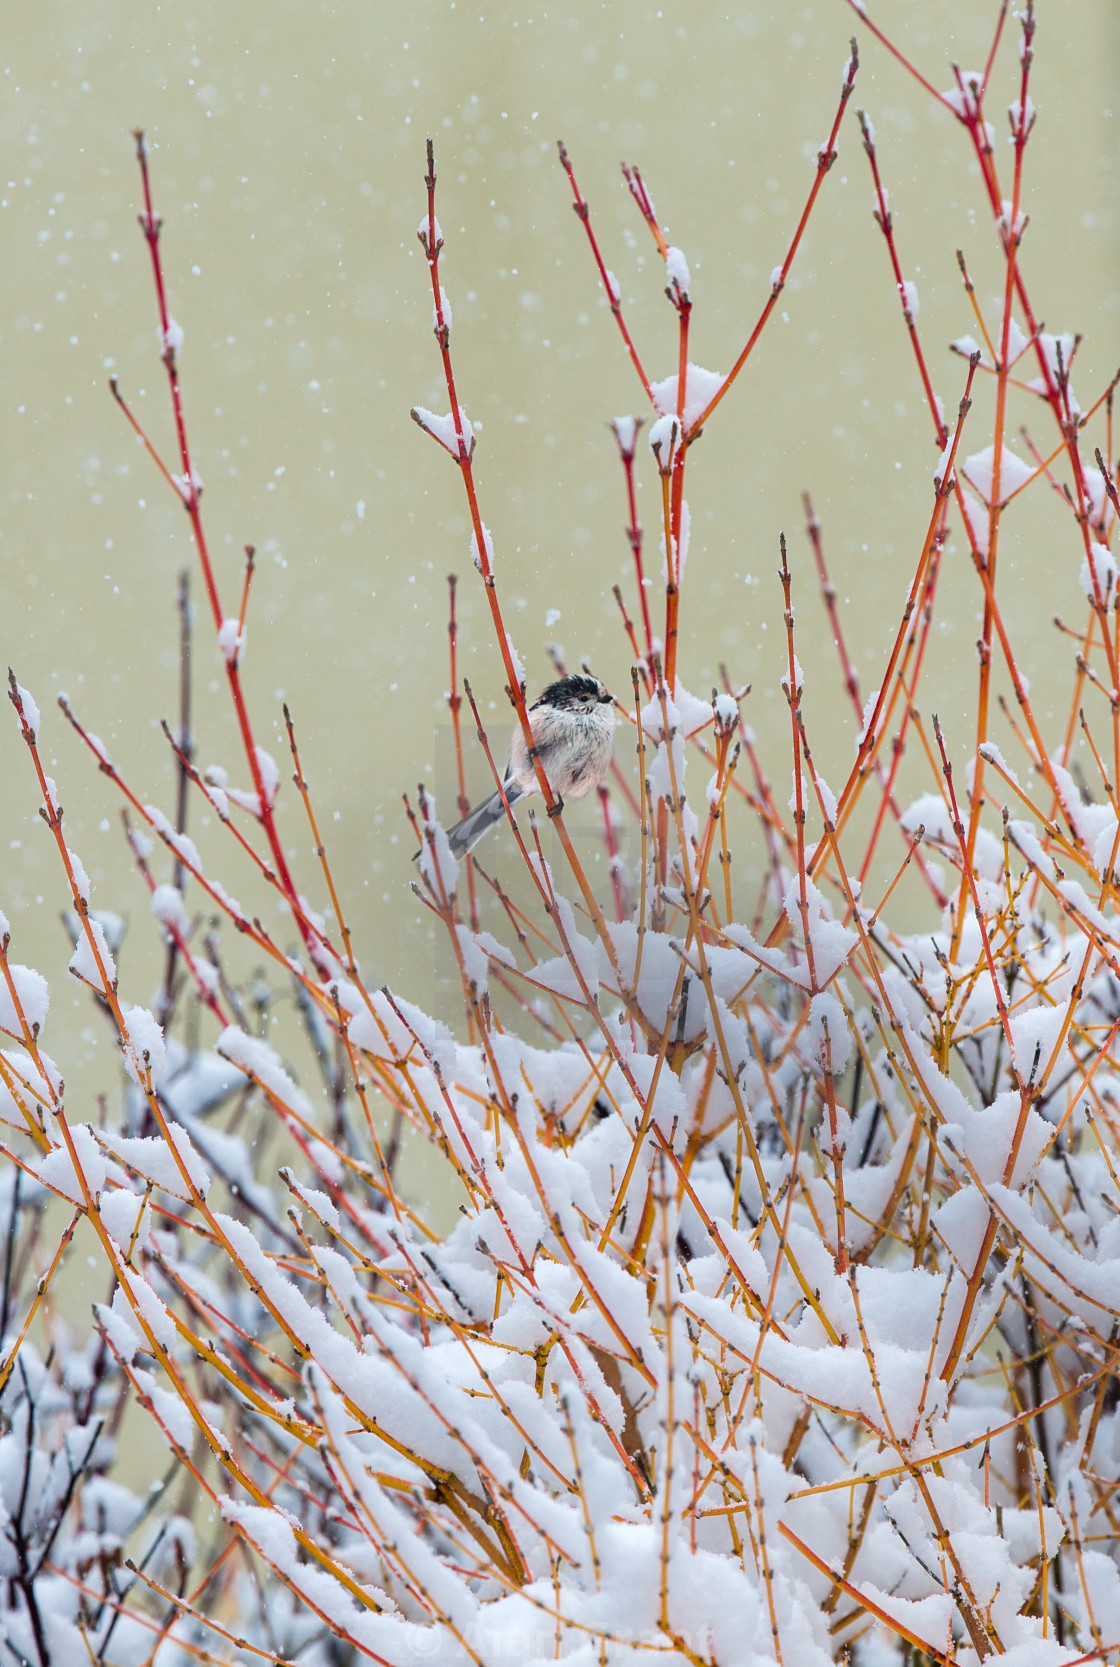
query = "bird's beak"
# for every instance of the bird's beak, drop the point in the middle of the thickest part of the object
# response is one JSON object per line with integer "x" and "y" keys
{"x": 605, "y": 699}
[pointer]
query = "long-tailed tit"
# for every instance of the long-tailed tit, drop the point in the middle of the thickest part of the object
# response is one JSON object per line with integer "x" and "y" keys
{"x": 573, "y": 734}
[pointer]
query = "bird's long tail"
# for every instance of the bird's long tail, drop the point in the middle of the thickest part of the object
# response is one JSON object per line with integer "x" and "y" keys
{"x": 465, "y": 835}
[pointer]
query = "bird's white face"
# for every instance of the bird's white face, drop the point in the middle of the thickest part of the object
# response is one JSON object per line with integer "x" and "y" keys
{"x": 588, "y": 702}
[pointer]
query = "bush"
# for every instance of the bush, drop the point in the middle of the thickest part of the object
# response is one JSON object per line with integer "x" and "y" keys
{"x": 778, "y": 1319}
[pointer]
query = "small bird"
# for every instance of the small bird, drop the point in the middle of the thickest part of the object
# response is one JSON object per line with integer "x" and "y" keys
{"x": 573, "y": 731}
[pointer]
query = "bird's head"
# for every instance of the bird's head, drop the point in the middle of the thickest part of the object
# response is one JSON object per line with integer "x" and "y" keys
{"x": 576, "y": 693}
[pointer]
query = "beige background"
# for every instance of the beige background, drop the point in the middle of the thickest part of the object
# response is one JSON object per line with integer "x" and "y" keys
{"x": 287, "y": 155}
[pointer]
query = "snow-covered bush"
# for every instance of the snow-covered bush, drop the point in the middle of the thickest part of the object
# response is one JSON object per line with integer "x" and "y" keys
{"x": 779, "y": 1318}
